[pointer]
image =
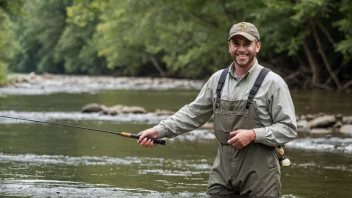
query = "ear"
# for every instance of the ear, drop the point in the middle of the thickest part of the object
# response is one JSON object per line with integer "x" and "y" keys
{"x": 229, "y": 45}
{"x": 257, "y": 47}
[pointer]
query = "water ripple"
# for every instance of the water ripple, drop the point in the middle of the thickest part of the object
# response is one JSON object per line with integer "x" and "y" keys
{"x": 331, "y": 144}
{"x": 148, "y": 118}
{"x": 37, "y": 85}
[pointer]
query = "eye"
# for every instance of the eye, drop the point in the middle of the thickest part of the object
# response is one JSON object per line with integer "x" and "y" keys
{"x": 235, "y": 43}
{"x": 248, "y": 43}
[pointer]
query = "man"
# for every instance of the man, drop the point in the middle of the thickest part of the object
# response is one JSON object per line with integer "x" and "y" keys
{"x": 248, "y": 130}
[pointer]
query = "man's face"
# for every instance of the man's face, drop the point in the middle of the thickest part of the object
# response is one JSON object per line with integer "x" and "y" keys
{"x": 243, "y": 51}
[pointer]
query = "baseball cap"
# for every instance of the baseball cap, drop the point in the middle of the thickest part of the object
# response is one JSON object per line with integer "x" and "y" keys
{"x": 245, "y": 29}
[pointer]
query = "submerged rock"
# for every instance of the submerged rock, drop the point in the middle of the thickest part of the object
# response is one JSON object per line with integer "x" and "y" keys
{"x": 163, "y": 112}
{"x": 133, "y": 109}
{"x": 320, "y": 131}
{"x": 322, "y": 122}
{"x": 346, "y": 129}
{"x": 91, "y": 108}
{"x": 347, "y": 119}
{"x": 117, "y": 109}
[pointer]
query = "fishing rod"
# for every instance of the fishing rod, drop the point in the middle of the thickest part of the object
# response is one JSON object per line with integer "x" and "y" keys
{"x": 124, "y": 134}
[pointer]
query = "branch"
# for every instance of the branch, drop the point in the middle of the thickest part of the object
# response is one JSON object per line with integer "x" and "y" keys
{"x": 322, "y": 86}
{"x": 325, "y": 31}
{"x": 337, "y": 72}
{"x": 346, "y": 85}
{"x": 312, "y": 64}
{"x": 325, "y": 60}
{"x": 157, "y": 66}
{"x": 292, "y": 76}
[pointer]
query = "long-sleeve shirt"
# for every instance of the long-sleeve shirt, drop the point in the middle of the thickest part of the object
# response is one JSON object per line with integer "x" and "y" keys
{"x": 274, "y": 107}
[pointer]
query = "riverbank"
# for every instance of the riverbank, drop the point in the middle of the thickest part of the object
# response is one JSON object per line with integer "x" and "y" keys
{"x": 33, "y": 84}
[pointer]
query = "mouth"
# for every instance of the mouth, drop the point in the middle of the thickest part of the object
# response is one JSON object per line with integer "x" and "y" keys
{"x": 241, "y": 55}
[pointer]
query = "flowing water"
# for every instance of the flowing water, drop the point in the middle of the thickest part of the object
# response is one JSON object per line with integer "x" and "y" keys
{"x": 39, "y": 160}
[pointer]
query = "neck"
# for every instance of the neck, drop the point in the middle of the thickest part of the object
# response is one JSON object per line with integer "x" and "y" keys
{"x": 240, "y": 71}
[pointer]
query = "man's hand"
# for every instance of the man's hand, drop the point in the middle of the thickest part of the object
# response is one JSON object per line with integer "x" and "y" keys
{"x": 241, "y": 138}
{"x": 146, "y": 142}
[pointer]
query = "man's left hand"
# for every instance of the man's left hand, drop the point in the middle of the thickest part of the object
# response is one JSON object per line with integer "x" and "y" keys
{"x": 241, "y": 138}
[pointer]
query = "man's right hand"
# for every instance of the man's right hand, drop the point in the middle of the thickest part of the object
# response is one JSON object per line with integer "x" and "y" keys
{"x": 144, "y": 140}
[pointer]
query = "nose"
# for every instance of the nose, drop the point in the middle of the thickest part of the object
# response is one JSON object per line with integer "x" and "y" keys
{"x": 241, "y": 48}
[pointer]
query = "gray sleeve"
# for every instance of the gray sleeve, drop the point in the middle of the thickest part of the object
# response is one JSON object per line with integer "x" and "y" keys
{"x": 284, "y": 127}
{"x": 190, "y": 116}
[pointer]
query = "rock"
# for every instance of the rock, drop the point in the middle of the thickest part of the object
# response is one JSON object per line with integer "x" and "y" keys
{"x": 347, "y": 119}
{"x": 304, "y": 130}
{"x": 113, "y": 110}
{"x": 93, "y": 107}
{"x": 320, "y": 131}
{"x": 302, "y": 124}
{"x": 163, "y": 112}
{"x": 133, "y": 109}
{"x": 322, "y": 122}
{"x": 346, "y": 129}
{"x": 47, "y": 76}
{"x": 208, "y": 125}
{"x": 310, "y": 117}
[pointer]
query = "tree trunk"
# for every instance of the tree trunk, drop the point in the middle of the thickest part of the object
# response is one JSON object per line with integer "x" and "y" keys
{"x": 313, "y": 65}
{"x": 157, "y": 66}
{"x": 323, "y": 56}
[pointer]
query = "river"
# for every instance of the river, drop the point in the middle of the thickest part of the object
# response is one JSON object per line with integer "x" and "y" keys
{"x": 39, "y": 160}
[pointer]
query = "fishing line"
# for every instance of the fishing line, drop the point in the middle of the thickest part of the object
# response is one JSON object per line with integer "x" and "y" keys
{"x": 124, "y": 134}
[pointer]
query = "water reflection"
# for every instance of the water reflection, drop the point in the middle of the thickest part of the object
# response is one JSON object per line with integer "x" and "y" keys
{"x": 39, "y": 160}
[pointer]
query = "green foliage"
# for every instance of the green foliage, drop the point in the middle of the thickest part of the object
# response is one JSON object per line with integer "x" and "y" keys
{"x": 345, "y": 26}
{"x": 8, "y": 44}
{"x": 38, "y": 32}
{"x": 183, "y": 38}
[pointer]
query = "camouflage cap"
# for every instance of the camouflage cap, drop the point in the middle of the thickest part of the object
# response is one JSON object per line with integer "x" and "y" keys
{"x": 245, "y": 29}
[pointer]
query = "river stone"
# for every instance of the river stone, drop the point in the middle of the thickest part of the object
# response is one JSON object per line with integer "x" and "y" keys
{"x": 90, "y": 108}
{"x": 117, "y": 109}
{"x": 347, "y": 119}
{"x": 160, "y": 112}
{"x": 208, "y": 125}
{"x": 133, "y": 109}
{"x": 303, "y": 130}
{"x": 322, "y": 122}
{"x": 347, "y": 129}
{"x": 320, "y": 131}
{"x": 302, "y": 124}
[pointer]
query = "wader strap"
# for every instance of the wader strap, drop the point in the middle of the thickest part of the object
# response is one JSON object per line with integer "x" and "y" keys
{"x": 256, "y": 86}
{"x": 220, "y": 85}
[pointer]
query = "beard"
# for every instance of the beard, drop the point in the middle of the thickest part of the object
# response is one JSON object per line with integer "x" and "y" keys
{"x": 243, "y": 63}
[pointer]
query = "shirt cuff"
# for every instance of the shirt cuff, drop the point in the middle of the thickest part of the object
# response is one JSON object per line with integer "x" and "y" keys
{"x": 161, "y": 130}
{"x": 259, "y": 134}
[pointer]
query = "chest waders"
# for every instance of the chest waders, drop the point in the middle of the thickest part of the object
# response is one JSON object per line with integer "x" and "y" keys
{"x": 253, "y": 170}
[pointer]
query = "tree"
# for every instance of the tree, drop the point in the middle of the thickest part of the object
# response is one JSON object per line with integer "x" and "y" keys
{"x": 38, "y": 34}
{"x": 8, "y": 45}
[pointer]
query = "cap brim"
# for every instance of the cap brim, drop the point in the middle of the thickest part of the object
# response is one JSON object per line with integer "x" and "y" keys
{"x": 246, "y": 35}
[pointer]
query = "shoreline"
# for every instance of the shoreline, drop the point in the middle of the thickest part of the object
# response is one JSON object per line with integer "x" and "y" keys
{"x": 33, "y": 84}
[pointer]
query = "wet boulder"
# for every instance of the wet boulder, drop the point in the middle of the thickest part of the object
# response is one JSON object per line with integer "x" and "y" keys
{"x": 91, "y": 108}
{"x": 302, "y": 124}
{"x": 117, "y": 109}
{"x": 322, "y": 122}
{"x": 133, "y": 109}
{"x": 346, "y": 129}
{"x": 160, "y": 112}
{"x": 321, "y": 131}
{"x": 347, "y": 119}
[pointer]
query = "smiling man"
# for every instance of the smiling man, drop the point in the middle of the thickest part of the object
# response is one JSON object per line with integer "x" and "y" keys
{"x": 253, "y": 113}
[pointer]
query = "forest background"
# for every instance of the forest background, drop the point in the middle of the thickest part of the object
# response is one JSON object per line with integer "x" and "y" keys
{"x": 308, "y": 42}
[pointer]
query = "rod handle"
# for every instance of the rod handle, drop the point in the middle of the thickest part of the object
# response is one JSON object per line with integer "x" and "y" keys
{"x": 155, "y": 140}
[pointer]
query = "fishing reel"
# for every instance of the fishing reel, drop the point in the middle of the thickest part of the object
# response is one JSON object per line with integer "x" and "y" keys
{"x": 284, "y": 161}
